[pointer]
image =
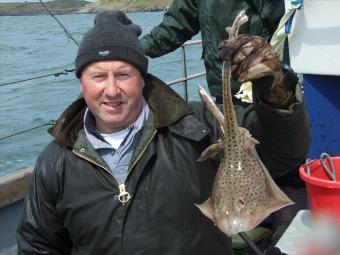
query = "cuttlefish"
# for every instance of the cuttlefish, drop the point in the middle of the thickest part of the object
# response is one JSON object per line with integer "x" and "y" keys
{"x": 243, "y": 193}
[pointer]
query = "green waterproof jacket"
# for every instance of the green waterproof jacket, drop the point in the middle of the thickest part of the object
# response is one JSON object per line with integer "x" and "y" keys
{"x": 73, "y": 205}
{"x": 186, "y": 18}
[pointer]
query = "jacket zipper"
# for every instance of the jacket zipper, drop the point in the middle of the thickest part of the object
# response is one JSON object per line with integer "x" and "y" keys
{"x": 95, "y": 163}
{"x": 141, "y": 154}
{"x": 123, "y": 196}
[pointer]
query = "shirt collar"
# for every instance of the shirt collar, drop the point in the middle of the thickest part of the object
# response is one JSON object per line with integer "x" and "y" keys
{"x": 97, "y": 140}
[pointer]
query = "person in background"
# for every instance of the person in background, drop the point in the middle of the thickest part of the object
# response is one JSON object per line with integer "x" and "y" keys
{"x": 121, "y": 175}
{"x": 186, "y": 18}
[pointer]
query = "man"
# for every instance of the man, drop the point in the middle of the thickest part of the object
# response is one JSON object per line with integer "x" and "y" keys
{"x": 186, "y": 18}
{"x": 122, "y": 176}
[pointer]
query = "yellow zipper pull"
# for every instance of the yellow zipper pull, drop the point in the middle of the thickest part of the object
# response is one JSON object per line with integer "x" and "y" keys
{"x": 123, "y": 195}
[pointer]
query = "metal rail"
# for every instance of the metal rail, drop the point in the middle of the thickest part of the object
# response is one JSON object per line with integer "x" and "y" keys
{"x": 186, "y": 77}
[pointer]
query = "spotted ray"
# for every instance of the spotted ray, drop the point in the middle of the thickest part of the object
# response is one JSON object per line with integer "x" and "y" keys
{"x": 244, "y": 193}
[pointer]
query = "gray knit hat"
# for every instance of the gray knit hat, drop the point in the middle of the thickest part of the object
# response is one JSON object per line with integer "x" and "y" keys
{"x": 113, "y": 37}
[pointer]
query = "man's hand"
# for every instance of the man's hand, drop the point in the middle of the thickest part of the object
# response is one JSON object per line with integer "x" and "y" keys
{"x": 254, "y": 60}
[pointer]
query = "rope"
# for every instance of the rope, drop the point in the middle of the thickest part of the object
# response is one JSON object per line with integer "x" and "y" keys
{"x": 279, "y": 37}
{"x": 65, "y": 72}
{"x": 60, "y": 24}
{"x": 51, "y": 122}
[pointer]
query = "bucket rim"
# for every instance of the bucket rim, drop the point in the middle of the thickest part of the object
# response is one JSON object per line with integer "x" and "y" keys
{"x": 317, "y": 181}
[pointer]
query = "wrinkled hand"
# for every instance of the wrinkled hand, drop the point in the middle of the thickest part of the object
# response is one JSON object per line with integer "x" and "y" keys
{"x": 253, "y": 59}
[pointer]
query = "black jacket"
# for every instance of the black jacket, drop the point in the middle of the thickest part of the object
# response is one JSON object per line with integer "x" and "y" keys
{"x": 186, "y": 18}
{"x": 72, "y": 205}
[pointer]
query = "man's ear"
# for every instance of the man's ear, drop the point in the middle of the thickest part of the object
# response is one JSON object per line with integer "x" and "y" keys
{"x": 81, "y": 84}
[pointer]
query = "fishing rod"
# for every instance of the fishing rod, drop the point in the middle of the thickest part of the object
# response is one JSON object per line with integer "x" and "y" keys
{"x": 60, "y": 24}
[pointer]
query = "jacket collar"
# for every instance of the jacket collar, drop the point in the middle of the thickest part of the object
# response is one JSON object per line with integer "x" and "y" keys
{"x": 163, "y": 101}
{"x": 167, "y": 105}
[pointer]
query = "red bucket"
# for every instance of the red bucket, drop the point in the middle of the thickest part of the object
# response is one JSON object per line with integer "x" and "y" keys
{"x": 323, "y": 192}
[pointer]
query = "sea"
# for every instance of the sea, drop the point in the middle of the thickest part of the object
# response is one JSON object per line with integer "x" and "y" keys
{"x": 35, "y": 46}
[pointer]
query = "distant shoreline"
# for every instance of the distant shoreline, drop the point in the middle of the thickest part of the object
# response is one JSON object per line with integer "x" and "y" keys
{"x": 65, "y": 12}
{"x": 38, "y": 12}
{"x": 64, "y": 7}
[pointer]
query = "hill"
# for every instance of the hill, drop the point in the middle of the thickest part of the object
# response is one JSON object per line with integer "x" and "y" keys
{"x": 81, "y": 6}
{"x": 127, "y": 5}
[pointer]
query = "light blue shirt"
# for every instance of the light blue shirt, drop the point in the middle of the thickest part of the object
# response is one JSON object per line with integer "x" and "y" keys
{"x": 118, "y": 160}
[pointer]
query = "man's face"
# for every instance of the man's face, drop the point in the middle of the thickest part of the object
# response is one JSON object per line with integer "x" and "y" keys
{"x": 113, "y": 92}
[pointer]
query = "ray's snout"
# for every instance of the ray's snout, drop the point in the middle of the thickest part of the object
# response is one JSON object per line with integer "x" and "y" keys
{"x": 230, "y": 225}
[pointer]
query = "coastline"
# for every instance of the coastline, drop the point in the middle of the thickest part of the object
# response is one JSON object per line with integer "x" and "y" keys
{"x": 81, "y": 7}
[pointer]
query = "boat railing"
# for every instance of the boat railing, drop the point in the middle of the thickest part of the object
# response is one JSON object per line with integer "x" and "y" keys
{"x": 186, "y": 77}
{"x": 14, "y": 186}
